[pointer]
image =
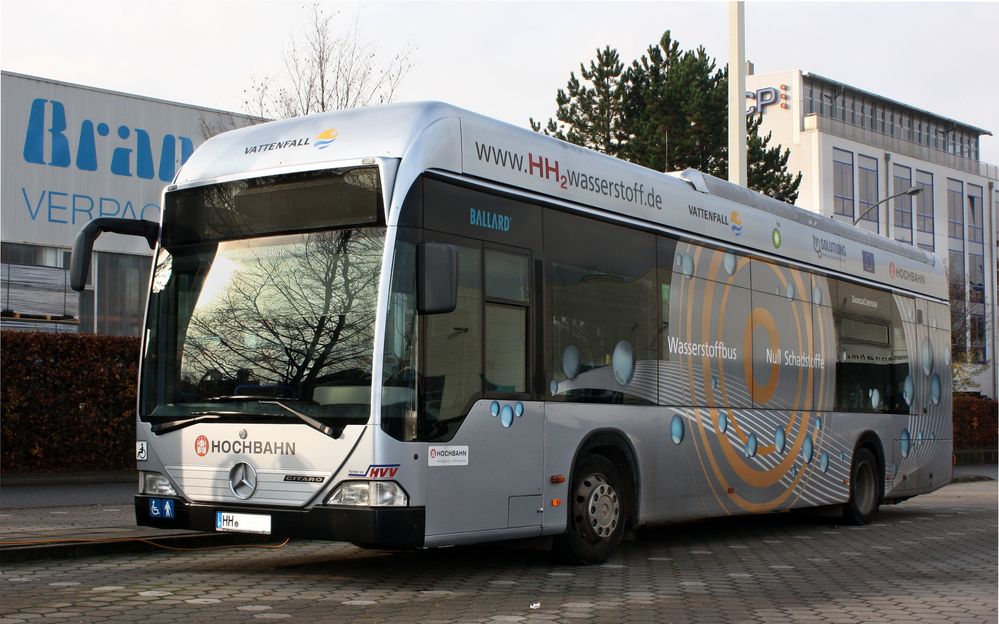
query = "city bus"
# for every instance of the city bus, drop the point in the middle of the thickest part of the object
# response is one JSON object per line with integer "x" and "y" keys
{"x": 412, "y": 326}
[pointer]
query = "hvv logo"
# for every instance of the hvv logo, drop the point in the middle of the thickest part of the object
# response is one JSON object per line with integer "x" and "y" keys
{"x": 134, "y": 155}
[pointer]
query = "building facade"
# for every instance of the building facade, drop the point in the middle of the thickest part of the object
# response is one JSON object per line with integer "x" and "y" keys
{"x": 903, "y": 173}
{"x": 71, "y": 154}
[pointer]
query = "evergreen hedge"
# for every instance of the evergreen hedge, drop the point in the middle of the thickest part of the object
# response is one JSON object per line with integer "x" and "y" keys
{"x": 68, "y": 402}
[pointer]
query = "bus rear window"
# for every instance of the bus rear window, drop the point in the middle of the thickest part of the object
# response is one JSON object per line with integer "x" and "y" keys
{"x": 272, "y": 204}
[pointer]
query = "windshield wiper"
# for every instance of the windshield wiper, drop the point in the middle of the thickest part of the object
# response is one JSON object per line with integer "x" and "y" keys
{"x": 236, "y": 398}
{"x": 194, "y": 417}
{"x": 309, "y": 420}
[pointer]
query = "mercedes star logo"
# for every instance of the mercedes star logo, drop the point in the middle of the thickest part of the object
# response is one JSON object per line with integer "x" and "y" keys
{"x": 243, "y": 480}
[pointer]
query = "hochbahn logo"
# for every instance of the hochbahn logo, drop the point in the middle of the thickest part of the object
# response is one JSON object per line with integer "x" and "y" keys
{"x": 898, "y": 273}
{"x": 203, "y": 446}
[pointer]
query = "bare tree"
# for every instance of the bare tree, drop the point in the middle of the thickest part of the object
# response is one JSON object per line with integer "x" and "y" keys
{"x": 966, "y": 366}
{"x": 296, "y": 319}
{"x": 328, "y": 69}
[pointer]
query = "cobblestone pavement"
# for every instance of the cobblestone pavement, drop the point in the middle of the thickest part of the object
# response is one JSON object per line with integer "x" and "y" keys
{"x": 931, "y": 559}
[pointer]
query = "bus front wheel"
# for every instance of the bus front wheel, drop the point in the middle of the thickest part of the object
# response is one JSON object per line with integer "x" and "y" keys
{"x": 596, "y": 513}
{"x": 864, "y": 482}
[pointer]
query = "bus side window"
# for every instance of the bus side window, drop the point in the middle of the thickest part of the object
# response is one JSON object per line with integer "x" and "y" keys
{"x": 603, "y": 313}
{"x": 864, "y": 361}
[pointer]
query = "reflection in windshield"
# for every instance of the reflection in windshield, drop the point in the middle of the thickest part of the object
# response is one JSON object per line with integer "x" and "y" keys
{"x": 288, "y": 317}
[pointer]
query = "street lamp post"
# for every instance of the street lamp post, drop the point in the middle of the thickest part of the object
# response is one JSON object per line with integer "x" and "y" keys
{"x": 911, "y": 192}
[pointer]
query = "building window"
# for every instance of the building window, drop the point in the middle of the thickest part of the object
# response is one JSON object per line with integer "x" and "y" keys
{"x": 851, "y": 107}
{"x": 924, "y": 210}
{"x": 976, "y": 342}
{"x": 903, "y": 204}
{"x": 843, "y": 183}
{"x": 957, "y": 290}
{"x": 34, "y": 255}
{"x": 976, "y": 278}
{"x": 867, "y": 189}
{"x": 975, "y": 227}
{"x": 955, "y": 212}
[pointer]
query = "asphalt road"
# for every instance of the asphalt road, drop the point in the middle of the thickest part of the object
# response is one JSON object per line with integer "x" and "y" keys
{"x": 931, "y": 559}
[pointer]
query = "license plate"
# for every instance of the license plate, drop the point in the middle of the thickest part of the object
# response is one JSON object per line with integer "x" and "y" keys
{"x": 242, "y": 523}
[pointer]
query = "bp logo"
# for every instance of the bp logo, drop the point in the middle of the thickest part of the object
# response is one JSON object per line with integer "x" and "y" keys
{"x": 325, "y": 138}
{"x": 775, "y": 238}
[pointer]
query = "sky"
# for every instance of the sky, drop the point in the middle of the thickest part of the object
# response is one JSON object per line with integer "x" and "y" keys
{"x": 508, "y": 59}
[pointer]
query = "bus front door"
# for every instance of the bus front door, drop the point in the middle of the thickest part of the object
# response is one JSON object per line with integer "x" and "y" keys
{"x": 487, "y": 476}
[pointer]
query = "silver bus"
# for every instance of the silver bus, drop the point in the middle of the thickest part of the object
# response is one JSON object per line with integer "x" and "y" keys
{"x": 412, "y": 326}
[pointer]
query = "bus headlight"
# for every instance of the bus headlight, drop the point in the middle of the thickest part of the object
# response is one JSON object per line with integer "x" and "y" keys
{"x": 369, "y": 494}
{"x": 155, "y": 483}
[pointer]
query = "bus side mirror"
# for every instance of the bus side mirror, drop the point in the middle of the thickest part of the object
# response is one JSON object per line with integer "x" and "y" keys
{"x": 83, "y": 246}
{"x": 437, "y": 278}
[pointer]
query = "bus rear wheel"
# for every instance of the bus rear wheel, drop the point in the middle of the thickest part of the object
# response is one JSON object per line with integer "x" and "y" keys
{"x": 864, "y": 481}
{"x": 596, "y": 513}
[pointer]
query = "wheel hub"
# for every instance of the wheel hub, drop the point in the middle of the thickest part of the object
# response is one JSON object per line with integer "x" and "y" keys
{"x": 602, "y": 510}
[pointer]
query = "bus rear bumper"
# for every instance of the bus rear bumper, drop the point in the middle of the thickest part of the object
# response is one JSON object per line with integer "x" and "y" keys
{"x": 374, "y": 527}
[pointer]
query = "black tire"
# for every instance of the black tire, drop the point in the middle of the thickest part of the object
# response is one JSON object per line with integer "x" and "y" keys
{"x": 865, "y": 494}
{"x": 597, "y": 512}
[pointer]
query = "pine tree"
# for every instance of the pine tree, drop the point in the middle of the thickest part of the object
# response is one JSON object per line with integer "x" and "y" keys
{"x": 589, "y": 112}
{"x": 668, "y": 110}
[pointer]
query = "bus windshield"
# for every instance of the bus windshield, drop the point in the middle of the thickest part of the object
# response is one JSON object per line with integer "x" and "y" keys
{"x": 266, "y": 327}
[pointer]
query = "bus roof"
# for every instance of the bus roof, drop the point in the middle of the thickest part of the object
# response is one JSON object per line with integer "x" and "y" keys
{"x": 437, "y": 136}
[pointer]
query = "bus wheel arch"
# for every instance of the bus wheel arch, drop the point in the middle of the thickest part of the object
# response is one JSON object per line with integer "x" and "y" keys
{"x": 602, "y": 499}
{"x": 867, "y": 476}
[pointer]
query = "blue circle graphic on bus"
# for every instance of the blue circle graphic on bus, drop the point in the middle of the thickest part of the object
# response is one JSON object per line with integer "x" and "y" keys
{"x": 553, "y": 387}
{"x": 905, "y": 443}
{"x": 818, "y": 423}
{"x": 908, "y": 390}
{"x": 623, "y": 362}
{"x": 686, "y": 264}
{"x": 790, "y": 290}
{"x": 729, "y": 263}
{"x": 935, "y": 389}
{"x": 926, "y": 353}
{"x": 676, "y": 429}
{"x": 506, "y": 416}
{"x": 824, "y": 462}
{"x": 875, "y": 398}
{"x": 780, "y": 439}
{"x": 806, "y": 450}
{"x": 494, "y": 408}
{"x": 518, "y": 409}
{"x": 570, "y": 362}
{"x": 817, "y": 295}
{"x": 722, "y": 422}
{"x": 751, "y": 445}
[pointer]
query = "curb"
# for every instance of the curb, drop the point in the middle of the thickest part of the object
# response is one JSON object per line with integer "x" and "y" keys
{"x": 969, "y": 478}
{"x": 126, "y": 545}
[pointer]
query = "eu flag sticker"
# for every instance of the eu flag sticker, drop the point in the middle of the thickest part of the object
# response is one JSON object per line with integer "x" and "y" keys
{"x": 868, "y": 261}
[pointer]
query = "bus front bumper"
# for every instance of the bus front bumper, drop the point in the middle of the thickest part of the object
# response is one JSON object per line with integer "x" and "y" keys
{"x": 375, "y": 527}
